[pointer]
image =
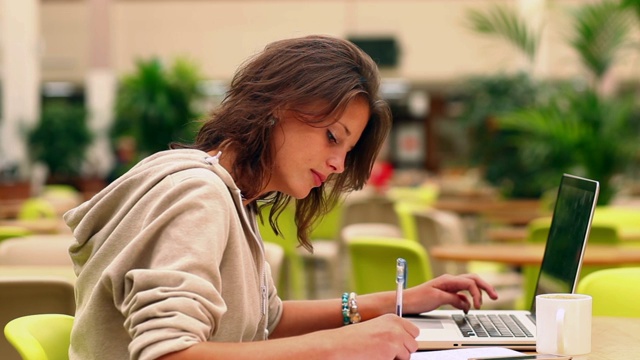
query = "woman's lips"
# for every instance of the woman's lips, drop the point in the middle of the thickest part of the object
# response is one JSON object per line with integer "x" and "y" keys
{"x": 318, "y": 178}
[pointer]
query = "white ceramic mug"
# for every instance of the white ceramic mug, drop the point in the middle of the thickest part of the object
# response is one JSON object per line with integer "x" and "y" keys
{"x": 563, "y": 324}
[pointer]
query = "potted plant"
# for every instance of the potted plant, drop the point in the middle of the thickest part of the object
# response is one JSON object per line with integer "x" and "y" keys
{"x": 589, "y": 129}
{"x": 156, "y": 105}
{"x": 485, "y": 98}
{"x": 60, "y": 140}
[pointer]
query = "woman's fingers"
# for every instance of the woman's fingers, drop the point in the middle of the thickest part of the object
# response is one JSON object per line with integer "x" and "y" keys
{"x": 471, "y": 283}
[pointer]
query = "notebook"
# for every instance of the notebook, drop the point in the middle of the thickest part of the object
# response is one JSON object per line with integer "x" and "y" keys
{"x": 559, "y": 273}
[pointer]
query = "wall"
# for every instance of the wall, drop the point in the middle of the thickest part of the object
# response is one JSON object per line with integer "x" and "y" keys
{"x": 219, "y": 35}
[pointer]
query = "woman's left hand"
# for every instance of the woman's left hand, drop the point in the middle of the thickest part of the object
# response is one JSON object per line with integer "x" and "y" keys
{"x": 447, "y": 290}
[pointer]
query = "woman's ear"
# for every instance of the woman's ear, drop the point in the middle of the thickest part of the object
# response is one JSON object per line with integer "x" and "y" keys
{"x": 277, "y": 115}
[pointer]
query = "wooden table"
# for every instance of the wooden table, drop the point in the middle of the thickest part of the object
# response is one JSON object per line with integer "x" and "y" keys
{"x": 9, "y": 208}
{"x": 39, "y": 226}
{"x": 614, "y": 339}
{"x": 63, "y": 272}
{"x": 531, "y": 254}
{"x": 519, "y": 234}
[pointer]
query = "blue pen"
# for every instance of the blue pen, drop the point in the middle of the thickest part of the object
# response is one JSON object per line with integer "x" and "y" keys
{"x": 401, "y": 283}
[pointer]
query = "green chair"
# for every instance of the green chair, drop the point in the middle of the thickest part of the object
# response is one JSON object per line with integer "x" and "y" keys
{"x": 426, "y": 194}
{"x": 35, "y": 209}
{"x": 538, "y": 231}
{"x": 405, "y": 211}
{"x": 614, "y": 291}
{"x": 40, "y": 336}
{"x": 292, "y": 275}
{"x": 373, "y": 263}
{"x": 323, "y": 267}
{"x": 620, "y": 216}
{"x": 10, "y": 231}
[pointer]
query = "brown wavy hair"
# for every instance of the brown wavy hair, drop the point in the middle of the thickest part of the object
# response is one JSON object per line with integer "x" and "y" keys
{"x": 287, "y": 75}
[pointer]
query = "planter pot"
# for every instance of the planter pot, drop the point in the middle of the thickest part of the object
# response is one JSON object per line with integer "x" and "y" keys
{"x": 15, "y": 190}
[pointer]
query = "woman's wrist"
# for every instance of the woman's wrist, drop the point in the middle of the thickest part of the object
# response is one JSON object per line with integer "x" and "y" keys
{"x": 373, "y": 305}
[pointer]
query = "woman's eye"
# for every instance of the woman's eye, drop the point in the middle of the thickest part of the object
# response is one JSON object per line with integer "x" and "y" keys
{"x": 332, "y": 138}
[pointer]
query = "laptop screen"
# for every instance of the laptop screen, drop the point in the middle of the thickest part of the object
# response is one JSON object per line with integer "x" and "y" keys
{"x": 572, "y": 214}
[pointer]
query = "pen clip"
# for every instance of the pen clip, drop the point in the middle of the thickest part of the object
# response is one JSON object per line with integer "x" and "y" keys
{"x": 401, "y": 272}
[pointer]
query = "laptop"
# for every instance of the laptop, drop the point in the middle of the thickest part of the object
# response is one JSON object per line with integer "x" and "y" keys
{"x": 559, "y": 273}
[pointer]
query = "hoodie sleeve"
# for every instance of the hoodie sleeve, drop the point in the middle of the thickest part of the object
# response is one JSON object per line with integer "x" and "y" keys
{"x": 167, "y": 281}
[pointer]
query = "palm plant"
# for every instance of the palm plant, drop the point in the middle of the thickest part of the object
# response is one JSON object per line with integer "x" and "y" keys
{"x": 574, "y": 130}
{"x": 504, "y": 22}
{"x": 581, "y": 130}
{"x": 600, "y": 31}
{"x": 486, "y": 97}
{"x": 156, "y": 104}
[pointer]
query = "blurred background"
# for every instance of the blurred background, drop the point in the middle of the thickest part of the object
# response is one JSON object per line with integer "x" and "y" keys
{"x": 492, "y": 100}
{"x": 510, "y": 93}
{"x": 487, "y": 85}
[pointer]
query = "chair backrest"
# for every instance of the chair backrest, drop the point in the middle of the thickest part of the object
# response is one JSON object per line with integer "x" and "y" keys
{"x": 614, "y": 291}
{"x": 538, "y": 231}
{"x": 328, "y": 228}
{"x": 46, "y": 250}
{"x": 437, "y": 227}
{"x": 274, "y": 254}
{"x": 62, "y": 197}
{"x": 21, "y": 296}
{"x": 370, "y": 229}
{"x": 373, "y": 263}
{"x": 10, "y": 231}
{"x": 36, "y": 208}
{"x": 405, "y": 211}
{"x": 601, "y": 232}
{"x": 621, "y": 216}
{"x": 41, "y": 336}
{"x": 368, "y": 208}
{"x": 426, "y": 194}
{"x": 291, "y": 283}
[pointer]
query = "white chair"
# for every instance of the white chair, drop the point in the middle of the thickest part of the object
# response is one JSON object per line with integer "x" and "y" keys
{"x": 364, "y": 207}
{"x": 370, "y": 229}
{"x": 438, "y": 227}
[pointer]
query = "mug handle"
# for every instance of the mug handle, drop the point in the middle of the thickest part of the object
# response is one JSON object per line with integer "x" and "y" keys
{"x": 560, "y": 331}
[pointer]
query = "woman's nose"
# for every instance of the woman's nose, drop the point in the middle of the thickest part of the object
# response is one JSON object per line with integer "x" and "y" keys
{"x": 336, "y": 162}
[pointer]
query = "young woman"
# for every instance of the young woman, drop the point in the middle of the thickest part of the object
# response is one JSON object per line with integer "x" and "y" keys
{"x": 170, "y": 263}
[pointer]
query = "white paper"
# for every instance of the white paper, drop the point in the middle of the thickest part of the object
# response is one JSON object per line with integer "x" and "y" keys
{"x": 463, "y": 354}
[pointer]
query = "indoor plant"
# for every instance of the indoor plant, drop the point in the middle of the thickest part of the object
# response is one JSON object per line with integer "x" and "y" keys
{"x": 573, "y": 126}
{"x": 60, "y": 140}
{"x": 156, "y": 104}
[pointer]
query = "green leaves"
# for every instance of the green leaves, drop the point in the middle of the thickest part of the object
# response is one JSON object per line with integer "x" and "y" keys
{"x": 60, "y": 139}
{"x": 504, "y": 22}
{"x": 600, "y": 31}
{"x": 156, "y": 104}
{"x": 562, "y": 128}
{"x": 577, "y": 131}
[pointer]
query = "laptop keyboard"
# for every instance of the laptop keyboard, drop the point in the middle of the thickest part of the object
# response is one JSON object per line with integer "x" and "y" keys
{"x": 503, "y": 325}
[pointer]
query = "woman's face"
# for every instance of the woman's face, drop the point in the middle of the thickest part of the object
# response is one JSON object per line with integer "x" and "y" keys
{"x": 306, "y": 155}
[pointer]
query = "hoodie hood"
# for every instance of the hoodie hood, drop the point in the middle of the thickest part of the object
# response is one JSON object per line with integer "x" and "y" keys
{"x": 112, "y": 204}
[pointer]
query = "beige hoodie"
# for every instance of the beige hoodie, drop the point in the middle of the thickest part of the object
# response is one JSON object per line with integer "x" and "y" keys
{"x": 166, "y": 257}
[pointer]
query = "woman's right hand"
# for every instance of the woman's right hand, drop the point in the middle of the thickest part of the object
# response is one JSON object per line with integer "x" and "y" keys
{"x": 385, "y": 337}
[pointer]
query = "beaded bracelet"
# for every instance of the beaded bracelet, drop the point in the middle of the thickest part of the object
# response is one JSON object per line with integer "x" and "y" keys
{"x": 354, "y": 315}
{"x": 345, "y": 309}
{"x": 350, "y": 314}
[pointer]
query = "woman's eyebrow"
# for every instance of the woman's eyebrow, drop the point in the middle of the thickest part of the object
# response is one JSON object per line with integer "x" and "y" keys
{"x": 346, "y": 129}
